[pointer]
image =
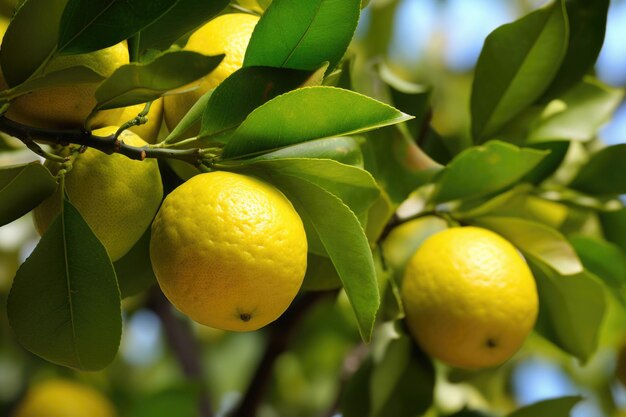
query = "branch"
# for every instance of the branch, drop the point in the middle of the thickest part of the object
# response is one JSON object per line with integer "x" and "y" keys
{"x": 107, "y": 144}
{"x": 184, "y": 346}
{"x": 280, "y": 334}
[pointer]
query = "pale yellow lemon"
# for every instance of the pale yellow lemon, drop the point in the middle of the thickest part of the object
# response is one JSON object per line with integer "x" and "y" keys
{"x": 470, "y": 298}
{"x": 229, "y": 251}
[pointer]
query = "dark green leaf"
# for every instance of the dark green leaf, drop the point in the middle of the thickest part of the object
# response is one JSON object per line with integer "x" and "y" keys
{"x": 482, "y": 170}
{"x": 245, "y": 90}
{"x": 517, "y": 63}
{"x": 89, "y": 25}
{"x": 339, "y": 230}
{"x": 137, "y": 83}
{"x": 185, "y": 16}
{"x": 320, "y": 275}
{"x": 134, "y": 270}
{"x": 554, "y": 407}
{"x": 587, "y": 24}
{"x": 469, "y": 413}
{"x": 65, "y": 304}
{"x": 190, "y": 121}
{"x": 435, "y": 146}
{"x": 179, "y": 401}
{"x": 605, "y": 260}
{"x": 303, "y": 35}
{"x": 585, "y": 109}
{"x": 402, "y": 383}
{"x": 354, "y": 399}
{"x": 309, "y": 113}
{"x": 341, "y": 149}
{"x": 605, "y": 173}
{"x": 536, "y": 241}
{"x": 571, "y": 309}
{"x": 30, "y": 39}
{"x": 614, "y": 227}
{"x": 22, "y": 188}
{"x": 550, "y": 163}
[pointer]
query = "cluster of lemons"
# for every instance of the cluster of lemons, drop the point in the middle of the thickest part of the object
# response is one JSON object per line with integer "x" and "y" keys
{"x": 230, "y": 251}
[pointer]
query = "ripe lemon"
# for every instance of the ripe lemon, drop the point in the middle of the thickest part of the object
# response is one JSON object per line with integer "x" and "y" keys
{"x": 229, "y": 251}
{"x": 116, "y": 196}
{"x": 470, "y": 299}
{"x": 227, "y": 34}
{"x": 63, "y": 398}
{"x": 147, "y": 131}
{"x": 68, "y": 106}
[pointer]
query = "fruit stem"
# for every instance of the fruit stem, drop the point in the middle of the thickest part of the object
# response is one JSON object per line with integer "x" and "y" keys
{"x": 107, "y": 144}
{"x": 140, "y": 119}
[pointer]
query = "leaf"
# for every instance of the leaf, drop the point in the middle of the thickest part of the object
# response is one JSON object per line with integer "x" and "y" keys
{"x": 605, "y": 260}
{"x": 343, "y": 149}
{"x": 325, "y": 216}
{"x": 402, "y": 383}
{"x": 192, "y": 118}
{"x": 614, "y": 227}
{"x": 550, "y": 163}
{"x": 587, "y": 107}
{"x": 516, "y": 65}
{"x": 89, "y": 25}
{"x": 354, "y": 186}
{"x": 134, "y": 270}
{"x": 184, "y": 17}
{"x": 482, "y": 170}
{"x": 536, "y": 241}
{"x": 293, "y": 34}
{"x": 321, "y": 274}
{"x": 308, "y": 113}
{"x": 604, "y": 173}
{"x": 245, "y": 90}
{"x": 175, "y": 401}
{"x": 587, "y": 24}
{"x": 553, "y": 407}
{"x": 137, "y": 83}
{"x": 571, "y": 309}
{"x": 65, "y": 304}
{"x": 357, "y": 389}
{"x": 30, "y": 39}
{"x": 22, "y": 188}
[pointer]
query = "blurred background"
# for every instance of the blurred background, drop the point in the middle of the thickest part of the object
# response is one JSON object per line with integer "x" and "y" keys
{"x": 429, "y": 42}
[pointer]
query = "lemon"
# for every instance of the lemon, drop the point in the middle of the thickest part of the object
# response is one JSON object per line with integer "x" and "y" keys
{"x": 69, "y": 105}
{"x": 116, "y": 196}
{"x": 63, "y": 398}
{"x": 227, "y": 34}
{"x": 470, "y": 299}
{"x": 229, "y": 251}
{"x": 147, "y": 131}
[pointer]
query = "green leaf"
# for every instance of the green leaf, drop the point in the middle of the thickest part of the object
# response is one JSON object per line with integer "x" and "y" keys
{"x": 605, "y": 260}
{"x": 293, "y": 34}
{"x": 586, "y": 108}
{"x": 516, "y": 65}
{"x": 22, "y": 188}
{"x": 245, "y": 90}
{"x": 87, "y": 25}
{"x": 321, "y": 274}
{"x": 134, "y": 270}
{"x": 536, "y": 241}
{"x": 72, "y": 75}
{"x": 550, "y": 163}
{"x": 554, "y": 407}
{"x": 571, "y": 309}
{"x": 402, "y": 383}
{"x": 354, "y": 186}
{"x": 30, "y": 39}
{"x": 587, "y": 24}
{"x": 341, "y": 149}
{"x": 486, "y": 169}
{"x": 353, "y": 403}
{"x": 614, "y": 227}
{"x": 469, "y": 413}
{"x": 342, "y": 236}
{"x": 179, "y": 401}
{"x": 65, "y": 304}
{"x": 308, "y": 113}
{"x": 605, "y": 173}
{"x": 137, "y": 83}
{"x": 191, "y": 119}
{"x": 184, "y": 17}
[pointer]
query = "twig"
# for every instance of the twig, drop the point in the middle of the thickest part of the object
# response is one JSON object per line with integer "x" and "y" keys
{"x": 280, "y": 334}
{"x": 107, "y": 144}
{"x": 184, "y": 347}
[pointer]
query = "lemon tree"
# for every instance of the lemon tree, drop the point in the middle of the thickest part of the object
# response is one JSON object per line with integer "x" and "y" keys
{"x": 253, "y": 208}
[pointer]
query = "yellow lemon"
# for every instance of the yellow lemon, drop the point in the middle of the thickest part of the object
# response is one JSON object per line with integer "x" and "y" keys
{"x": 229, "y": 251}
{"x": 227, "y": 34}
{"x": 116, "y": 196}
{"x": 470, "y": 299}
{"x": 147, "y": 131}
{"x": 63, "y": 398}
{"x": 69, "y": 105}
